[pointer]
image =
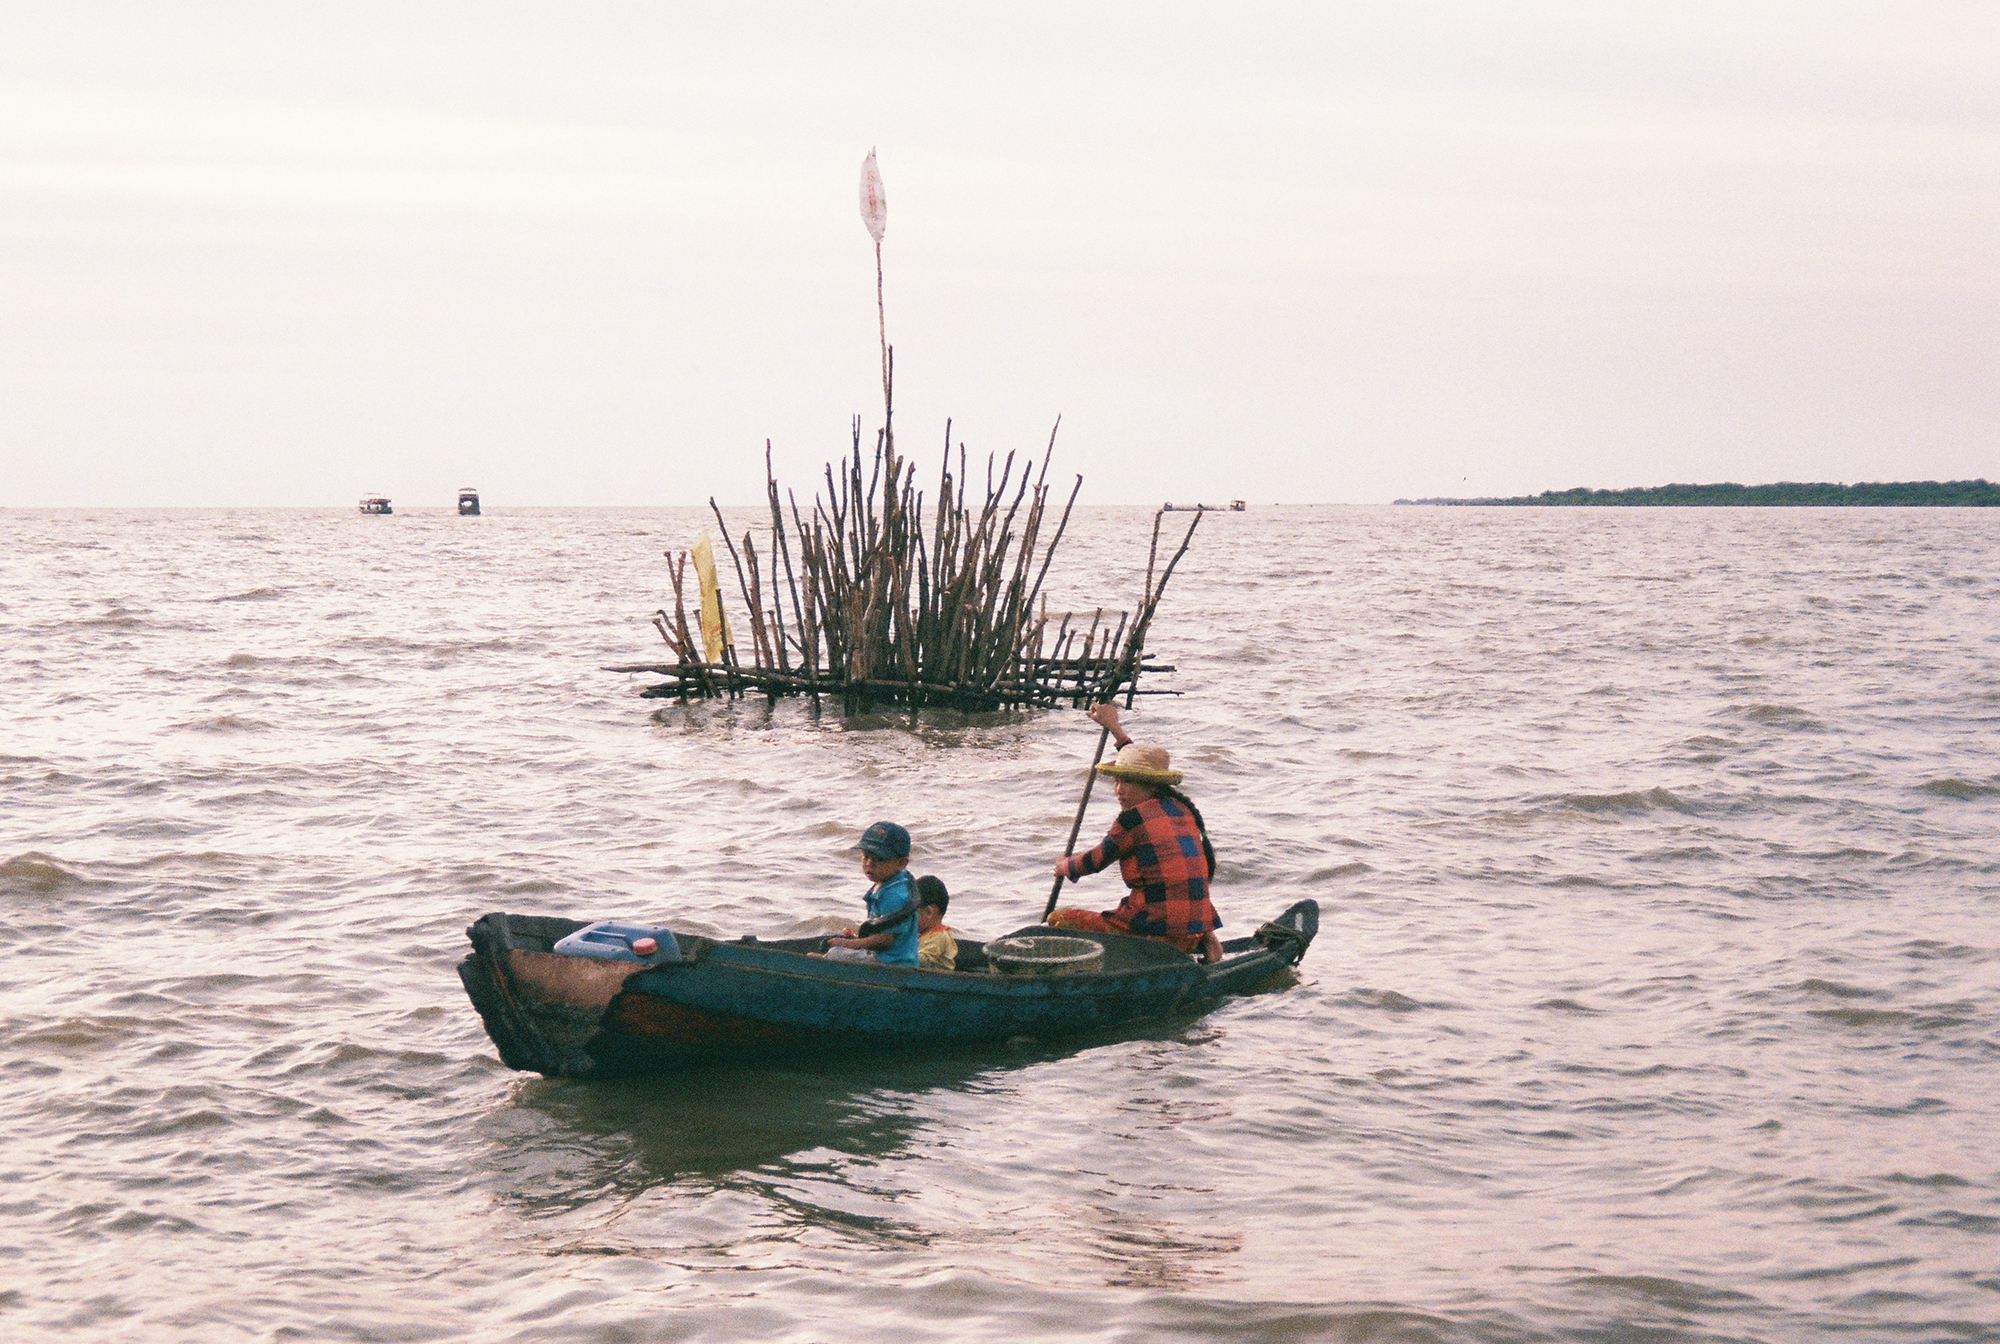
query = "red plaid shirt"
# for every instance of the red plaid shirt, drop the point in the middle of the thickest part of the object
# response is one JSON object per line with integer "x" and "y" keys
{"x": 1158, "y": 848}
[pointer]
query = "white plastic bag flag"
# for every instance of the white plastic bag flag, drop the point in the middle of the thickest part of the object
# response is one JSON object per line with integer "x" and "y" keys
{"x": 874, "y": 201}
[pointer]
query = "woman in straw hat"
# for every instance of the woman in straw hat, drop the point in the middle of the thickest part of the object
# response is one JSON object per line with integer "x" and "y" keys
{"x": 1162, "y": 851}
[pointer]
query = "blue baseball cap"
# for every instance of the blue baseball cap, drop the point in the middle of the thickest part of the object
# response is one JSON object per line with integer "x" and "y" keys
{"x": 885, "y": 840}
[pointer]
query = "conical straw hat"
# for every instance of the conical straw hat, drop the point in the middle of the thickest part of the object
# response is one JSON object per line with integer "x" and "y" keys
{"x": 1141, "y": 764}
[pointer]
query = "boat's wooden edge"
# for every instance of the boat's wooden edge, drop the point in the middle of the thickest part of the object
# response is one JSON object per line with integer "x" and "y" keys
{"x": 1277, "y": 946}
{"x": 532, "y": 1032}
{"x": 1291, "y": 934}
{"x": 559, "y": 1016}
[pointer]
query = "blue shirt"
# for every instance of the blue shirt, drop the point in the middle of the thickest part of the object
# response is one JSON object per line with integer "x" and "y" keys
{"x": 887, "y": 899}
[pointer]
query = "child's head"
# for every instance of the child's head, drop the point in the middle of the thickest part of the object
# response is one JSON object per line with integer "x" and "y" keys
{"x": 932, "y": 901}
{"x": 885, "y": 851}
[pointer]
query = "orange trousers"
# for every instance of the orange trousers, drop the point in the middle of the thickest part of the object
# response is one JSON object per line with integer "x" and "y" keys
{"x": 1092, "y": 922}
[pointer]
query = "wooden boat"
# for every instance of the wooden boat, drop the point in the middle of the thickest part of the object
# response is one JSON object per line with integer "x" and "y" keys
{"x": 577, "y": 1017}
{"x": 375, "y": 504}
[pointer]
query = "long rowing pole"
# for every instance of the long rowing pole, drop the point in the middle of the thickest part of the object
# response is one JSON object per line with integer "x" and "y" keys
{"x": 1131, "y": 689}
{"x": 1077, "y": 826}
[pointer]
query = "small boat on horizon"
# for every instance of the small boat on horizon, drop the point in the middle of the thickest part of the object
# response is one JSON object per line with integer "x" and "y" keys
{"x": 375, "y": 504}
{"x": 1234, "y": 506}
{"x": 646, "y": 1000}
{"x": 468, "y": 502}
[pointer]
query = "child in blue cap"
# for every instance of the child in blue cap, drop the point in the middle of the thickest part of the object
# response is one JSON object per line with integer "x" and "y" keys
{"x": 890, "y": 934}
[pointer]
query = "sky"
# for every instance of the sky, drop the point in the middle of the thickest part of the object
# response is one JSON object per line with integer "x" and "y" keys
{"x": 599, "y": 253}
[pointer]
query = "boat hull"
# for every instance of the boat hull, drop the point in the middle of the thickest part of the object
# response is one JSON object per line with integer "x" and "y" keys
{"x": 569, "y": 1017}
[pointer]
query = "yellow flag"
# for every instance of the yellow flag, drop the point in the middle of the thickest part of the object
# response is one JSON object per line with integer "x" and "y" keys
{"x": 714, "y": 627}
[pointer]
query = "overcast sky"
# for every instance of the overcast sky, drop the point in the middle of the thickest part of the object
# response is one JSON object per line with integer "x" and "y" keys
{"x": 597, "y": 253}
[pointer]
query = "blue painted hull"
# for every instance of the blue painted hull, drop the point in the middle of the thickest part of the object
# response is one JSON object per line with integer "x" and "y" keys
{"x": 748, "y": 999}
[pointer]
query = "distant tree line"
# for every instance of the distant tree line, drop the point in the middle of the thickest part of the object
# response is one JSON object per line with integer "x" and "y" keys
{"x": 1954, "y": 494}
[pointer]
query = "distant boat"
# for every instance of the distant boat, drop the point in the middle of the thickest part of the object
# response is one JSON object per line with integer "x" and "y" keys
{"x": 468, "y": 502}
{"x": 375, "y": 504}
{"x": 1234, "y": 506}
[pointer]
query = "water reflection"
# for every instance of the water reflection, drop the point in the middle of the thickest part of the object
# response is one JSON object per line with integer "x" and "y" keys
{"x": 775, "y": 1167}
{"x": 559, "y": 1144}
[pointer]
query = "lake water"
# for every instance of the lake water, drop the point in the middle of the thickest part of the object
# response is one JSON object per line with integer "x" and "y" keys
{"x": 1657, "y": 994}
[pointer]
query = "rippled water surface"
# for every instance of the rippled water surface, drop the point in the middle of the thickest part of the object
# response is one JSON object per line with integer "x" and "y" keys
{"x": 1657, "y": 994}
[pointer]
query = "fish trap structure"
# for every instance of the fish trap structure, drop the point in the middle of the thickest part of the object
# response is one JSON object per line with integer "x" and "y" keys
{"x": 875, "y": 597}
{"x": 871, "y": 599}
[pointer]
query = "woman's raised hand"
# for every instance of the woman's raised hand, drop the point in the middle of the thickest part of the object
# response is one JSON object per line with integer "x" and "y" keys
{"x": 1105, "y": 715}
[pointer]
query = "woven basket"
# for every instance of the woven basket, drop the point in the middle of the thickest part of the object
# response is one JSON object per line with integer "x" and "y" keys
{"x": 1045, "y": 954}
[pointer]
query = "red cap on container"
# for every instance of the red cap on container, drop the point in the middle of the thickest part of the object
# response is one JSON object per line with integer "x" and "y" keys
{"x": 645, "y": 947}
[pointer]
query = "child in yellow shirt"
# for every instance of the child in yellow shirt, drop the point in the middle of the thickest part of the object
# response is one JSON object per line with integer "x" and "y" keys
{"x": 937, "y": 950}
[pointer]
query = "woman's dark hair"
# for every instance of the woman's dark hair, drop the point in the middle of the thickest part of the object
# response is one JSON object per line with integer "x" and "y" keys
{"x": 930, "y": 891}
{"x": 1207, "y": 850}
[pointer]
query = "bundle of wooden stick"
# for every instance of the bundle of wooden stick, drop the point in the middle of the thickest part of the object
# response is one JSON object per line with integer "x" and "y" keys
{"x": 871, "y": 597}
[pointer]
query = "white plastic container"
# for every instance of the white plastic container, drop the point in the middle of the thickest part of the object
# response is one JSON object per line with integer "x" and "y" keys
{"x": 611, "y": 940}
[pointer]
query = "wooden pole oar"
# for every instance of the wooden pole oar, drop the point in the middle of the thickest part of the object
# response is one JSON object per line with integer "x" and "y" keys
{"x": 1149, "y": 600}
{"x": 1076, "y": 827}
